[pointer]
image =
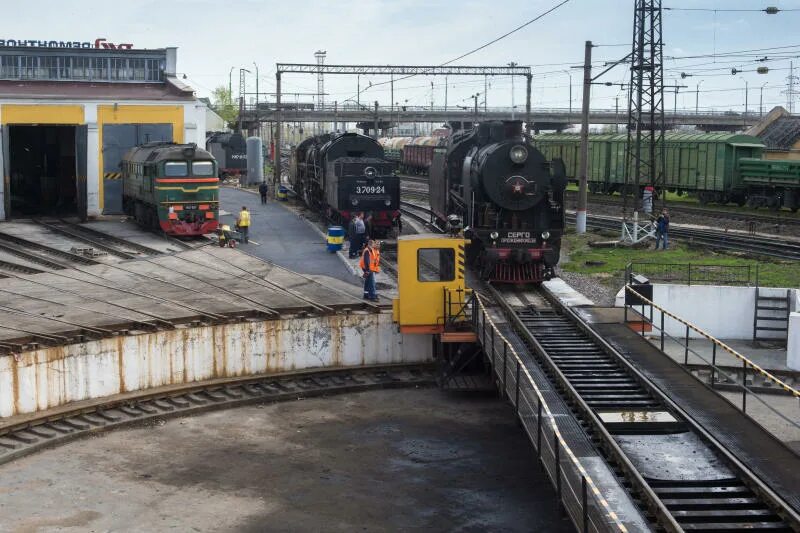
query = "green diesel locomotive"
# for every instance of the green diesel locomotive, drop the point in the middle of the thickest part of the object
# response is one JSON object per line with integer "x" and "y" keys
{"x": 172, "y": 187}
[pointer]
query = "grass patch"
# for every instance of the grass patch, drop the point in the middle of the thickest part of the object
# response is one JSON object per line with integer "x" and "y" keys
{"x": 607, "y": 265}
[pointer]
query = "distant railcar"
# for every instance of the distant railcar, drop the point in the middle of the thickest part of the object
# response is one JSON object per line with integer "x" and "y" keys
{"x": 230, "y": 151}
{"x": 716, "y": 167}
{"x": 172, "y": 187}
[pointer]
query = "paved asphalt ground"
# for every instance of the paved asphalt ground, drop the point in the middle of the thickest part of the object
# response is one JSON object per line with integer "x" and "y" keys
{"x": 390, "y": 460}
{"x": 282, "y": 237}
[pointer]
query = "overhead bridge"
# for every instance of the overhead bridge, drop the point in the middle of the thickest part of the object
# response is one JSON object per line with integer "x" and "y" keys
{"x": 542, "y": 118}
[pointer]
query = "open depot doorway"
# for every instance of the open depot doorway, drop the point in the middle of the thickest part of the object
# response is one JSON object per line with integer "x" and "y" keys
{"x": 43, "y": 165}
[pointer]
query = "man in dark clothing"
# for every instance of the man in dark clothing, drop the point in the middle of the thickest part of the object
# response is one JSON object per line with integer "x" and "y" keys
{"x": 662, "y": 229}
{"x": 359, "y": 235}
{"x": 262, "y": 190}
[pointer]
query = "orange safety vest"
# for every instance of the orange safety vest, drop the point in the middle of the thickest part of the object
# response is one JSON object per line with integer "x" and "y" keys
{"x": 374, "y": 260}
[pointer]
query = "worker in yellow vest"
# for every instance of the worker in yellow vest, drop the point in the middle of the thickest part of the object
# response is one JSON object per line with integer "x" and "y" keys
{"x": 370, "y": 264}
{"x": 243, "y": 222}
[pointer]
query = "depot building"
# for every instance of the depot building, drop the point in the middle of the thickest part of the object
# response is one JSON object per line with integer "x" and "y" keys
{"x": 70, "y": 111}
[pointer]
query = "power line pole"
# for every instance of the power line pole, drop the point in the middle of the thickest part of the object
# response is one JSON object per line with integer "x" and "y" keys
{"x": 645, "y": 143}
{"x": 276, "y": 177}
{"x": 512, "y": 65}
{"x": 580, "y": 224}
{"x": 241, "y": 96}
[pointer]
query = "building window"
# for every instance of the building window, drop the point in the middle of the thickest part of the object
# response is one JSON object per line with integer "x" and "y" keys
{"x": 48, "y": 67}
{"x": 137, "y": 69}
{"x": 153, "y": 70}
{"x": 9, "y": 67}
{"x": 28, "y": 66}
{"x": 80, "y": 68}
{"x": 65, "y": 70}
{"x": 98, "y": 68}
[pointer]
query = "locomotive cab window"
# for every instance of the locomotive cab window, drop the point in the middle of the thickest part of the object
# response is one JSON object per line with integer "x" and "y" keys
{"x": 203, "y": 168}
{"x": 175, "y": 169}
{"x": 436, "y": 264}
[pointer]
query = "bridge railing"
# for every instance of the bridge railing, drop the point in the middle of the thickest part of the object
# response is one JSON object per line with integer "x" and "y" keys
{"x": 369, "y": 107}
{"x": 576, "y": 489}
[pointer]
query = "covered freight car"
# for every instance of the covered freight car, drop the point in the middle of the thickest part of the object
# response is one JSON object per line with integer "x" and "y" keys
{"x": 704, "y": 164}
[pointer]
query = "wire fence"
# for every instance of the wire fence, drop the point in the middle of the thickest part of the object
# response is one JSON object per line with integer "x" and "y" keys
{"x": 693, "y": 273}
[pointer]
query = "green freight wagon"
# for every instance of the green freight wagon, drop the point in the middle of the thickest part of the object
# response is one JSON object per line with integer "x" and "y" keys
{"x": 771, "y": 183}
{"x": 701, "y": 163}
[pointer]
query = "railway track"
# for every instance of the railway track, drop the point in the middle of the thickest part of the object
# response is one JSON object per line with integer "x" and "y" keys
{"x": 605, "y": 391}
{"x": 113, "y": 245}
{"x": 722, "y": 214}
{"x": 49, "y": 428}
{"x": 41, "y": 254}
{"x": 780, "y": 249}
{"x": 415, "y": 211}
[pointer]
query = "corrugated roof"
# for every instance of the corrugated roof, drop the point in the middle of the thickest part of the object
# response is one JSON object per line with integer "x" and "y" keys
{"x": 782, "y": 133}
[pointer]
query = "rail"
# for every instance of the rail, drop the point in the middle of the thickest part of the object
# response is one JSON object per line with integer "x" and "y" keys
{"x": 699, "y": 274}
{"x": 576, "y": 489}
{"x": 716, "y": 370}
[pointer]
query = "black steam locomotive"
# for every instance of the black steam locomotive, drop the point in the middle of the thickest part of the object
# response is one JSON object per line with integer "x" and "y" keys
{"x": 341, "y": 174}
{"x": 230, "y": 151}
{"x": 508, "y": 197}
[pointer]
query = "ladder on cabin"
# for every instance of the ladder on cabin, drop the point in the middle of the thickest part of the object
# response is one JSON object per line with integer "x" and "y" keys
{"x": 771, "y": 314}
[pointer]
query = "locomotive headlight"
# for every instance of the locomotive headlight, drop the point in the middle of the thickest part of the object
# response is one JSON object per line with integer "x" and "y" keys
{"x": 494, "y": 235}
{"x": 518, "y": 154}
{"x": 545, "y": 235}
{"x": 354, "y": 201}
{"x": 387, "y": 203}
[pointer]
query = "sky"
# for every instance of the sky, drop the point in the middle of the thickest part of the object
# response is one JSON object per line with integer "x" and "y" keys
{"x": 214, "y": 37}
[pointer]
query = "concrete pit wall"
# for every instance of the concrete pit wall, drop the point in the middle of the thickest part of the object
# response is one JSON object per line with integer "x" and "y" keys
{"x": 51, "y": 377}
{"x": 724, "y": 312}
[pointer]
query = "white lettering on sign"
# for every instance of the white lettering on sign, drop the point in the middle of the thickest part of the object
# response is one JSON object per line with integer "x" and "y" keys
{"x": 370, "y": 189}
{"x": 519, "y": 235}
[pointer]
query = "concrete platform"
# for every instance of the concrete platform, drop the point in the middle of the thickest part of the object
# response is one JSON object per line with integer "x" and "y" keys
{"x": 282, "y": 237}
{"x": 208, "y": 285}
{"x": 392, "y": 460}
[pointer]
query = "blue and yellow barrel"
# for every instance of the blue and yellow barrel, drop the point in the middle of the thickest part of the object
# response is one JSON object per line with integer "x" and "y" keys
{"x": 335, "y": 238}
{"x": 283, "y": 193}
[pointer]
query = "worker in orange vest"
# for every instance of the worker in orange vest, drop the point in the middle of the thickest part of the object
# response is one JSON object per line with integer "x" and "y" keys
{"x": 370, "y": 264}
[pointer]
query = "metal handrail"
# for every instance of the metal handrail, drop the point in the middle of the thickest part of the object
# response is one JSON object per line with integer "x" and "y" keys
{"x": 719, "y": 343}
{"x": 715, "y": 370}
{"x": 589, "y": 488}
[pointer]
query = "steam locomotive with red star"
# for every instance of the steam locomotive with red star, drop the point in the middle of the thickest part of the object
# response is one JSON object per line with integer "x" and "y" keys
{"x": 507, "y": 197}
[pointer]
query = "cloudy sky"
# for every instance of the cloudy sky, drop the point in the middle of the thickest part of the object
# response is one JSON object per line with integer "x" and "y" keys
{"x": 214, "y": 36}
